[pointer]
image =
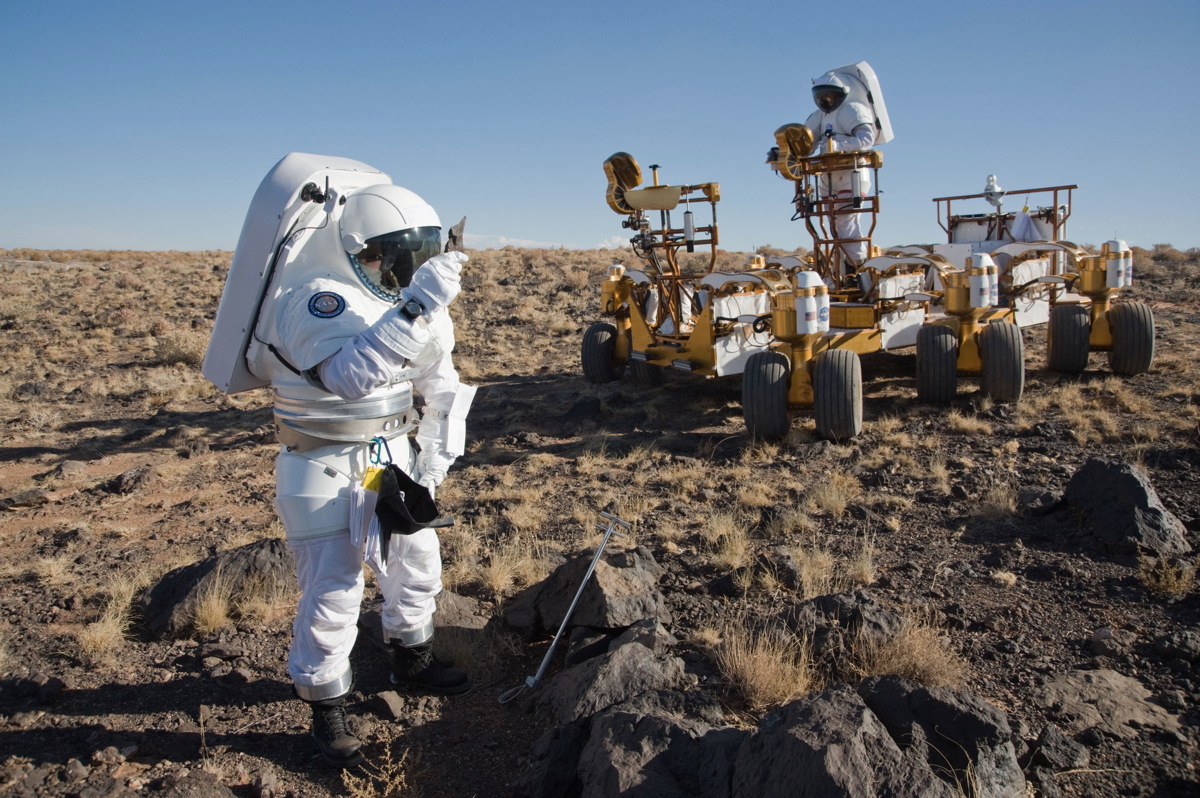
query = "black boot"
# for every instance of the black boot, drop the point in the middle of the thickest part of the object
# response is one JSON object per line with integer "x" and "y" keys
{"x": 337, "y": 745}
{"x": 415, "y": 666}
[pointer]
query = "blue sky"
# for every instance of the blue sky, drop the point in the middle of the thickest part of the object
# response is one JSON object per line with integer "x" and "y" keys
{"x": 140, "y": 125}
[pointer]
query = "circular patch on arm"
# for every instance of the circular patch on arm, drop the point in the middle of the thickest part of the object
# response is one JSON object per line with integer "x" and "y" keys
{"x": 326, "y": 305}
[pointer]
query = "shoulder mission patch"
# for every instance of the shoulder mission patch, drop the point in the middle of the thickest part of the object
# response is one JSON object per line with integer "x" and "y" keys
{"x": 326, "y": 305}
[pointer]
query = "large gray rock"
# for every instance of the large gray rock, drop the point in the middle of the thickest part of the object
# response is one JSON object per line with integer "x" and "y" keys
{"x": 601, "y": 682}
{"x": 1121, "y": 509}
{"x": 965, "y": 740}
{"x": 830, "y": 744}
{"x": 1181, "y": 644}
{"x": 622, "y": 591}
{"x": 656, "y": 754}
{"x": 1116, "y": 705}
{"x": 1056, "y": 751}
{"x": 167, "y": 607}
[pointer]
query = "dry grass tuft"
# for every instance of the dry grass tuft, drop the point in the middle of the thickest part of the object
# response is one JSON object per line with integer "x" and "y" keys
{"x": 461, "y": 545}
{"x": 185, "y": 347}
{"x": 1171, "y": 578}
{"x": 821, "y": 573}
{"x": 835, "y": 494}
{"x": 1004, "y": 578}
{"x": 998, "y": 501}
{"x": 917, "y": 652}
{"x": 816, "y": 567}
{"x": 213, "y": 607}
{"x": 960, "y": 423}
{"x": 54, "y": 571}
{"x": 765, "y": 667}
{"x": 382, "y": 776}
{"x": 727, "y": 539}
{"x": 512, "y": 564}
{"x": 790, "y": 521}
{"x": 266, "y": 600}
{"x": 100, "y": 640}
{"x": 861, "y": 569}
{"x": 938, "y": 472}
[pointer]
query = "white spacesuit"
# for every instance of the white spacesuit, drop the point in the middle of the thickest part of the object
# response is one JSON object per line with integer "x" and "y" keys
{"x": 354, "y": 318}
{"x": 850, "y": 125}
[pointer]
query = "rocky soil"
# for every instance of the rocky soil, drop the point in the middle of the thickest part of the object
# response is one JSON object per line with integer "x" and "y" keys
{"x": 121, "y": 464}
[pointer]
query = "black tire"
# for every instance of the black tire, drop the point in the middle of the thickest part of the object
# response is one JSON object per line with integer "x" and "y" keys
{"x": 596, "y": 353}
{"x": 645, "y": 373}
{"x": 937, "y": 364}
{"x": 1002, "y": 351}
{"x": 1132, "y": 326}
{"x": 837, "y": 394}
{"x": 764, "y": 395}
{"x": 1068, "y": 339}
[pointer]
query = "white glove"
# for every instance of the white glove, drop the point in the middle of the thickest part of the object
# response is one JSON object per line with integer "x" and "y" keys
{"x": 438, "y": 281}
{"x": 430, "y": 485}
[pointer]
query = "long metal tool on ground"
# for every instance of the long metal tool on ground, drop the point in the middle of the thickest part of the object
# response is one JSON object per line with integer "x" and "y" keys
{"x": 533, "y": 681}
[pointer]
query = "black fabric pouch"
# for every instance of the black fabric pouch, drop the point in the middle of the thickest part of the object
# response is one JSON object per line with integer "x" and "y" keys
{"x": 404, "y": 506}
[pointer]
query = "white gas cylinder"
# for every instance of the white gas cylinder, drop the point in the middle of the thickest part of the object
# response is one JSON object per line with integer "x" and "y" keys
{"x": 812, "y": 303}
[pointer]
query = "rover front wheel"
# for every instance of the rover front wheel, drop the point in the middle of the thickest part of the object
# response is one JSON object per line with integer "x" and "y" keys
{"x": 1132, "y": 326}
{"x": 937, "y": 364}
{"x": 837, "y": 394}
{"x": 596, "y": 353}
{"x": 764, "y": 394}
{"x": 1002, "y": 351}
{"x": 1067, "y": 339}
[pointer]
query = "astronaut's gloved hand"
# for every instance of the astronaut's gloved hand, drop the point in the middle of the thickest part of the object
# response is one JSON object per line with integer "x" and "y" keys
{"x": 432, "y": 468}
{"x": 438, "y": 281}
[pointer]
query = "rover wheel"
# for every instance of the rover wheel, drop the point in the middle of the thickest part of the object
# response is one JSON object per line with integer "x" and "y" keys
{"x": 1067, "y": 344}
{"x": 937, "y": 364}
{"x": 764, "y": 394}
{"x": 1002, "y": 351}
{"x": 837, "y": 394}
{"x": 645, "y": 373}
{"x": 1132, "y": 326}
{"x": 596, "y": 353}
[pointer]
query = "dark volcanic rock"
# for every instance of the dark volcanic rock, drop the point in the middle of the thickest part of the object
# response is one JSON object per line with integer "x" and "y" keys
{"x": 655, "y": 754}
{"x": 964, "y": 739}
{"x": 1122, "y": 510}
{"x": 167, "y": 606}
{"x": 601, "y": 682}
{"x": 1056, "y": 751}
{"x": 622, "y": 591}
{"x": 826, "y": 744}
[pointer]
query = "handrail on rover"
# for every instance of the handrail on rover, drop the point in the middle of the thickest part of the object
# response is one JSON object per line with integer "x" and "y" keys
{"x": 1059, "y": 223}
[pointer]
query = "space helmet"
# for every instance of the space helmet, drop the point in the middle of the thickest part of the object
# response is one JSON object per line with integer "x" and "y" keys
{"x": 388, "y": 232}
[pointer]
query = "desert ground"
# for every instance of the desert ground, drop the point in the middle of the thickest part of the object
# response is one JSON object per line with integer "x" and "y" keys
{"x": 120, "y": 463}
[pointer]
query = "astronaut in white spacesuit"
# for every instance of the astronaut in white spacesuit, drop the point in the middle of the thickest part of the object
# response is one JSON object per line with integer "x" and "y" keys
{"x": 355, "y": 320}
{"x": 850, "y": 127}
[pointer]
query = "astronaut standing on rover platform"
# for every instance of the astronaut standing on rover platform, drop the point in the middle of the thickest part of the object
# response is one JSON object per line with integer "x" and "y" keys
{"x": 843, "y": 125}
{"x": 355, "y": 317}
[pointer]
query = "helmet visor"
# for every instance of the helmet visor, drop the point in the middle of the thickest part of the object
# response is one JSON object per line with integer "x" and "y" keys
{"x": 828, "y": 98}
{"x": 387, "y": 262}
